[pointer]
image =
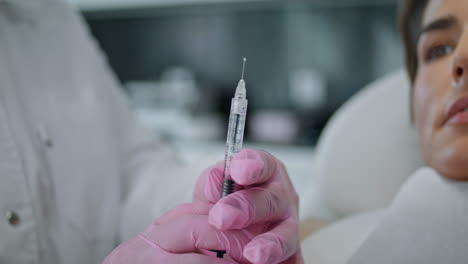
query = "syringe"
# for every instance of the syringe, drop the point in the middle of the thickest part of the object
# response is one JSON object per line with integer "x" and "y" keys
{"x": 235, "y": 136}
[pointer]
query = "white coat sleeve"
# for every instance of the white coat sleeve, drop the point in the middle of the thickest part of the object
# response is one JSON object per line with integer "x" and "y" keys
{"x": 153, "y": 178}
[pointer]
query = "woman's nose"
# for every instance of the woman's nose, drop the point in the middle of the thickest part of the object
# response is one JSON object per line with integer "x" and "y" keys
{"x": 460, "y": 63}
{"x": 458, "y": 72}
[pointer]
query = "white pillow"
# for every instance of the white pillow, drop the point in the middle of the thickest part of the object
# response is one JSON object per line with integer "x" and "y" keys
{"x": 369, "y": 148}
{"x": 338, "y": 242}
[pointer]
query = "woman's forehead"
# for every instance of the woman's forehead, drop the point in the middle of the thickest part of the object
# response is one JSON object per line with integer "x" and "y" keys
{"x": 442, "y": 8}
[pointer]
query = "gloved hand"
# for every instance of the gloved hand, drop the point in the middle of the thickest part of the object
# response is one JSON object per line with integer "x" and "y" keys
{"x": 265, "y": 203}
{"x": 178, "y": 236}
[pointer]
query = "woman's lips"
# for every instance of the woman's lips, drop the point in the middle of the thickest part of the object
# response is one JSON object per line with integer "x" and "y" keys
{"x": 457, "y": 114}
{"x": 459, "y": 118}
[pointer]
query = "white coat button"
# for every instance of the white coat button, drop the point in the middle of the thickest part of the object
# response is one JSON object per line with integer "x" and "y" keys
{"x": 13, "y": 218}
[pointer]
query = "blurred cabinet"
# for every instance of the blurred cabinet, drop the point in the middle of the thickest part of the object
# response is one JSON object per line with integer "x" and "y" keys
{"x": 325, "y": 50}
{"x": 95, "y": 5}
{"x": 92, "y": 5}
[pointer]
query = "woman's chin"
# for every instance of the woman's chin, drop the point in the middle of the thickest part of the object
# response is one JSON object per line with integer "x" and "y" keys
{"x": 454, "y": 175}
{"x": 452, "y": 163}
{"x": 448, "y": 154}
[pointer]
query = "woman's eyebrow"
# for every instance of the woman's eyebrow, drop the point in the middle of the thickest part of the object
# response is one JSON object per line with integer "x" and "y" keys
{"x": 439, "y": 24}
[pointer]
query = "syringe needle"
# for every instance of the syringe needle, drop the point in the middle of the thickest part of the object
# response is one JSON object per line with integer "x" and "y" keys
{"x": 243, "y": 68}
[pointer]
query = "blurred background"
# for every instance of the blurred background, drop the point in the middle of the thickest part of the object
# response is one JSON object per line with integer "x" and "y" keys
{"x": 180, "y": 61}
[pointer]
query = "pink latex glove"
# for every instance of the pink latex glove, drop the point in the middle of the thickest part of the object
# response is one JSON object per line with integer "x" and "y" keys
{"x": 265, "y": 203}
{"x": 181, "y": 236}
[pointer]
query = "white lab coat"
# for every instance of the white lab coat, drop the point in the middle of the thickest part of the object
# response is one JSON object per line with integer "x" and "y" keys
{"x": 70, "y": 151}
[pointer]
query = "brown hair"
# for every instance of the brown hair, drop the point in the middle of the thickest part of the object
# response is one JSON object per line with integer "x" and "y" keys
{"x": 410, "y": 18}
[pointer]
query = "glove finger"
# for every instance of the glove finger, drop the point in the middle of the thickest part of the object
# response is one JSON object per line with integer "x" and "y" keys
{"x": 191, "y": 232}
{"x": 184, "y": 209}
{"x": 253, "y": 167}
{"x": 210, "y": 184}
{"x": 273, "y": 247}
{"x": 139, "y": 251}
{"x": 250, "y": 206}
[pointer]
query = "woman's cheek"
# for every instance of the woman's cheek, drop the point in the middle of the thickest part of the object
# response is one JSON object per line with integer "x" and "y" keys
{"x": 421, "y": 98}
{"x": 426, "y": 107}
{"x": 430, "y": 93}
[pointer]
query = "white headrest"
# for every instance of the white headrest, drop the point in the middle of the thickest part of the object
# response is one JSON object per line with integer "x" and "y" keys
{"x": 368, "y": 148}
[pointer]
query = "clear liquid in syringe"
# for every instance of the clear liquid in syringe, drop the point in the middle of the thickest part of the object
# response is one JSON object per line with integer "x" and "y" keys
{"x": 235, "y": 133}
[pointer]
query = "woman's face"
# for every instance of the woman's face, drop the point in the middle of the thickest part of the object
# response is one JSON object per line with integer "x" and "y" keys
{"x": 441, "y": 87}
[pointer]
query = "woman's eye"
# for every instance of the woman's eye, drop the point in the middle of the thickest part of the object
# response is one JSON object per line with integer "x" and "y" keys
{"x": 437, "y": 52}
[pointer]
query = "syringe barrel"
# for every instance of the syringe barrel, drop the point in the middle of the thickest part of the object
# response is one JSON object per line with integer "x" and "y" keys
{"x": 235, "y": 137}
